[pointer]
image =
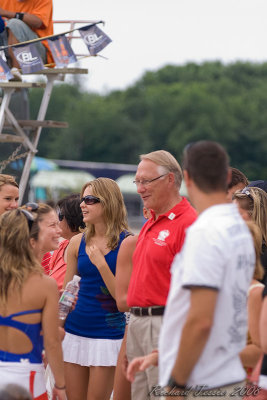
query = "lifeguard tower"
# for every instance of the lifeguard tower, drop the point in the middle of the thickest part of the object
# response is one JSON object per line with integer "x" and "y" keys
{"x": 21, "y": 136}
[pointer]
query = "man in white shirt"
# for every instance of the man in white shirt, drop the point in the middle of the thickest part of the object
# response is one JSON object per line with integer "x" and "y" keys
{"x": 205, "y": 322}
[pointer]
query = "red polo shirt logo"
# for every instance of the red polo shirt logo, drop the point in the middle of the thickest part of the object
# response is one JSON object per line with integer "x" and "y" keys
{"x": 160, "y": 241}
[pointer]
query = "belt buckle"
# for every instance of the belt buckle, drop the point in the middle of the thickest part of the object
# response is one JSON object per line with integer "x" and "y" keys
{"x": 138, "y": 311}
{"x": 149, "y": 310}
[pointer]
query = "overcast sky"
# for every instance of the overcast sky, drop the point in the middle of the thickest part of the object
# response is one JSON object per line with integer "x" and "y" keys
{"x": 148, "y": 34}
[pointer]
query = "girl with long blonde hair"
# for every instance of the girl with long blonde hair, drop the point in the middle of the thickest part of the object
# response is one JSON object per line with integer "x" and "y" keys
{"x": 252, "y": 204}
{"x": 94, "y": 330}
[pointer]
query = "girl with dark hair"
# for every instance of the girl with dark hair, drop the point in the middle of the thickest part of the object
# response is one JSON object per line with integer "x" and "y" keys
{"x": 70, "y": 221}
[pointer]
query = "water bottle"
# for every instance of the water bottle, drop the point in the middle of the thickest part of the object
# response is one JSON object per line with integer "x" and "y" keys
{"x": 68, "y": 296}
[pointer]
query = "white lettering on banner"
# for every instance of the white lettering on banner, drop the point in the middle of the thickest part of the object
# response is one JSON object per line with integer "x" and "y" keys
{"x": 92, "y": 39}
{"x": 26, "y": 58}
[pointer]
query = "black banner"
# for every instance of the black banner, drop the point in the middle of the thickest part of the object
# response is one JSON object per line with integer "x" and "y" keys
{"x": 62, "y": 51}
{"x": 28, "y": 58}
{"x": 95, "y": 39}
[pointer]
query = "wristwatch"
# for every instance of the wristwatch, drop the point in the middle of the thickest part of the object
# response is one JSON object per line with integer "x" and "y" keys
{"x": 173, "y": 384}
{"x": 19, "y": 15}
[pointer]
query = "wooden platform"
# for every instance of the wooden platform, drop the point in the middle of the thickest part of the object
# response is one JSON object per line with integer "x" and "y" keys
{"x": 33, "y": 124}
{"x": 64, "y": 71}
{"x": 4, "y": 138}
{"x": 21, "y": 85}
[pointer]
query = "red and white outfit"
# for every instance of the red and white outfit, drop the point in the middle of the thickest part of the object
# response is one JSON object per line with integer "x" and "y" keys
{"x": 46, "y": 262}
{"x": 29, "y": 376}
{"x": 58, "y": 266}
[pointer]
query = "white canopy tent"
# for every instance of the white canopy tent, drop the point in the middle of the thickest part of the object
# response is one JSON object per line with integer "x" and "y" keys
{"x": 52, "y": 185}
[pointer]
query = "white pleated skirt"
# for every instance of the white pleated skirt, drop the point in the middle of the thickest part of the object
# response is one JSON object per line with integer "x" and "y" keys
{"x": 89, "y": 352}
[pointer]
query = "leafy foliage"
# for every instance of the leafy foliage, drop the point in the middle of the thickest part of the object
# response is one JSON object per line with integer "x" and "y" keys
{"x": 165, "y": 109}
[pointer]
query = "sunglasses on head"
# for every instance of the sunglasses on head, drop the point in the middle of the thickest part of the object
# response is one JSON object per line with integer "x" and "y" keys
{"x": 29, "y": 217}
{"x": 246, "y": 191}
{"x": 31, "y": 206}
{"x": 89, "y": 200}
{"x": 60, "y": 216}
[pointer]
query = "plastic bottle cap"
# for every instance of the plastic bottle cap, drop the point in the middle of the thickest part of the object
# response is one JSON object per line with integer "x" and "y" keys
{"x": 76, "y": 278}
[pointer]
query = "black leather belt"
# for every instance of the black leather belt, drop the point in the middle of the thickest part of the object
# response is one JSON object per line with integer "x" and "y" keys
{"x": 147, "y": 311}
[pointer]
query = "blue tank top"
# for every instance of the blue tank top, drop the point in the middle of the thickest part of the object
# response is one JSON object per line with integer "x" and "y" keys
{"x": 33, "y": 331}
{"x": 96, "y": 314}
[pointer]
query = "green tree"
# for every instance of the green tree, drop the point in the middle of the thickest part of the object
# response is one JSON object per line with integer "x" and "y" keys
{"x": 165, "y": 109}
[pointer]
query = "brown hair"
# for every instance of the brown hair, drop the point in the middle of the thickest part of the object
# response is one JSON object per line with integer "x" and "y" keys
{"x": 237, "y": 177}
{"x": 254, "y": 201}
{"x": 7, "y": 180}
{"x": 70, "y": 208}
{"x": 14, "y": 392}
{"x": 17, "y": 260}
{"x": 38, "y": 215}
{"x": 114, "y": 210}
{"x": 166, "y": 160}
{"x": 207, "y": 163}
{"x": 257, "y": 239}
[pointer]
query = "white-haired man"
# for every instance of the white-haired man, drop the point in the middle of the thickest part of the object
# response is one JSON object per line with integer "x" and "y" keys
{"x": 158, "y": 180}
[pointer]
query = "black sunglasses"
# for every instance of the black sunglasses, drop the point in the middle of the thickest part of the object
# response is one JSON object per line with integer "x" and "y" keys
{"x": 89, "y": 200}
{"x": 29, "y": 217}
{"x": 60, "y": 216}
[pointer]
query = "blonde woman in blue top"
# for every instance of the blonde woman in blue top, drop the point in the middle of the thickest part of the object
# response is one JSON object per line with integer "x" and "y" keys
{"x": 95, "y": 328}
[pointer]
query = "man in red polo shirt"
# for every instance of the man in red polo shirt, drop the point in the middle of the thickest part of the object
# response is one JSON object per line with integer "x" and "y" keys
{"x": 158, "y": 181}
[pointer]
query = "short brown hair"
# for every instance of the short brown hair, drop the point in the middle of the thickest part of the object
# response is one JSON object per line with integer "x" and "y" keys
{"x": 166, "y": 160}
{"x": 69, "y": 206}
{"x": 14, "y": 392}
{"x": 207, "y": 163}
{"x": 237, "y": 177}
